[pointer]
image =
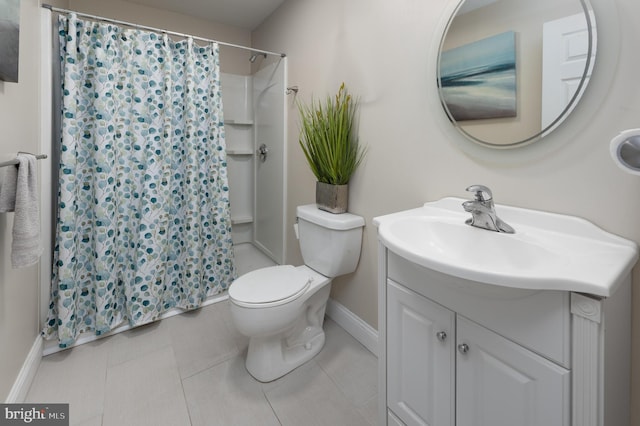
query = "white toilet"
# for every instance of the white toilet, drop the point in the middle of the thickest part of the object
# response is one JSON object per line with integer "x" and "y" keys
{"x": 281, "y": 308}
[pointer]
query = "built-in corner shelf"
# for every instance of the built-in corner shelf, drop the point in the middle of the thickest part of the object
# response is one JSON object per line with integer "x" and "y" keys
{"x": 239, "y": 122}
{"x": 238, "y": 220}
{"x": 239, "y": 152}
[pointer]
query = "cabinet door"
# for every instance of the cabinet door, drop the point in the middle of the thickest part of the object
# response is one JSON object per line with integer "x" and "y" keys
{"x": 500, "y": 383}
{"x": 420, "y": 359}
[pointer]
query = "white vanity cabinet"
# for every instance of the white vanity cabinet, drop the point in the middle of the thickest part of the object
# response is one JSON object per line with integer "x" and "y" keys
{"x": 444, "y": 369}
{"x": 421, "y": 366}
{"x": 459, "y": 352}
{"x": 501, "y": 383}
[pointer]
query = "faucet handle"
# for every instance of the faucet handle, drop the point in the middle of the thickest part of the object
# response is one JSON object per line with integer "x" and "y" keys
{"x": 481, "y": 192}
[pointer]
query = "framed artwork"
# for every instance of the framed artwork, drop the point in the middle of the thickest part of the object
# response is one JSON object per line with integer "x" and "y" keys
{"x": 9, "y": 39}
{"x": 478, "y": 80}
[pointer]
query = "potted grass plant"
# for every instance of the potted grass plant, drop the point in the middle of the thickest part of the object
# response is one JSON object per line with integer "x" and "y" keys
{"x": 330, "y": 144}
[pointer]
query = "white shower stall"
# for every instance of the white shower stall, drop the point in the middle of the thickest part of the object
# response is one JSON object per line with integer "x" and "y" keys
{"x": 255, "y": 117}
{"x": 255, "y": 113}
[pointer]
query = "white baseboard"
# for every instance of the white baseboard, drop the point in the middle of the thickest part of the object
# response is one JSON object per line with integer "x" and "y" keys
{"x": 353, "y": 325}
{"x": 28, "y": 371}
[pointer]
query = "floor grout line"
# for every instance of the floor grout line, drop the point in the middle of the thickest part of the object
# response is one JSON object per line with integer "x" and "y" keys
{"x": 273, "y": 410}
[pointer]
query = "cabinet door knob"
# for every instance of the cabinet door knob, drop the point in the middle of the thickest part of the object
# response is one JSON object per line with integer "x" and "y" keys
{"x": 463, "y": 348}
{"x": 441, "y": 335}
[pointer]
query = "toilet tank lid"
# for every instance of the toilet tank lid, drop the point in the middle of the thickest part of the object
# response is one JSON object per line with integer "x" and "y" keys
{"x": 269, "y": 285}
{"x": 341, "y": 222}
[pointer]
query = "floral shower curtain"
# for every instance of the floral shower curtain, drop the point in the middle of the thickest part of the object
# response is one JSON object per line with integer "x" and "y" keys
{"x": 143, "y": 205}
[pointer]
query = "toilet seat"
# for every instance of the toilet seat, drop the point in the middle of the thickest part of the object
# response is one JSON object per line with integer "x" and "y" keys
{"x": 272, "y": 286}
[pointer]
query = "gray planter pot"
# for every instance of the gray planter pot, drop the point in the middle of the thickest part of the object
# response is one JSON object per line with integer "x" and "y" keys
{"x": 332, "y": 198}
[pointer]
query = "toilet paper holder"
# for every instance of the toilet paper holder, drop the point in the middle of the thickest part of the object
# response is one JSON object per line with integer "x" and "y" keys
{"x": 625, "y": 151}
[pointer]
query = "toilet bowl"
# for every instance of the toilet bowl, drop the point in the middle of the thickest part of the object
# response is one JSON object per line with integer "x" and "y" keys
{"x": 286, "y": 332}
{"x": 281, "y": 308}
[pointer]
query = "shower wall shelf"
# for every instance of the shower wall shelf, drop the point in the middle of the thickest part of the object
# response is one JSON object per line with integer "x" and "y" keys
{"x": 237, "y": 93}
{"x": 238, "y": 220}
{"x": 239, "y": 152}
{"x": 239, "y": 122}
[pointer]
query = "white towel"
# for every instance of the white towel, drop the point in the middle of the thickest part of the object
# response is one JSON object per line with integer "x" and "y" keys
{"x": 8, "y": 189}
{"x": 26, "y": 247}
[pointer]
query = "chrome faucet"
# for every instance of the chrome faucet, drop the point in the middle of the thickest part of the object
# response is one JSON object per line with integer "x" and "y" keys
{"x": 483, "y": 212}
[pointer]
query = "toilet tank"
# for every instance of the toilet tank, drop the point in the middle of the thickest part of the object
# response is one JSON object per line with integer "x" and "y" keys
{"x": 330, "y": 243}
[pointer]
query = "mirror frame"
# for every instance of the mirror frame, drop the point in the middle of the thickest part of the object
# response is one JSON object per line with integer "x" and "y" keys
{"x": 588, "y": 69}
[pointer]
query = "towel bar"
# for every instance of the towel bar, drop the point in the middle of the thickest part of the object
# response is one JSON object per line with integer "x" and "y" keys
{"x": 16, "y": 162}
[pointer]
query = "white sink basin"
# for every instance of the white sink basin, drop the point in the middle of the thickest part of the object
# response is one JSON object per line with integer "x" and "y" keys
{"x": 547, "y": 252}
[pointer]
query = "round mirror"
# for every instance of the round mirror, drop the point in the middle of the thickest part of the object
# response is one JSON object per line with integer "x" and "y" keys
{"x": 510, "y": 71}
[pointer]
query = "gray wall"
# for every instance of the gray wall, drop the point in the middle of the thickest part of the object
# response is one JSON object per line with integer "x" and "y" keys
{"x": 19, "y": 118}
{"x": 385, "y": 52}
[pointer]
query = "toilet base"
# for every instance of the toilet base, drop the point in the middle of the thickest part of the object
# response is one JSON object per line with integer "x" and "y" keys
{"x": 271, "y": 357}
{"x": 291, "y": 357}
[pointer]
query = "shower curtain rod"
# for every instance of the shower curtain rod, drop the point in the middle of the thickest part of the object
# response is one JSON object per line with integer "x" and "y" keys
{"x": 159, "y": 30}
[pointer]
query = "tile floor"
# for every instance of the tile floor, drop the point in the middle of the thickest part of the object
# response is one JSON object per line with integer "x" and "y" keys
{"x": 189, "y": 370}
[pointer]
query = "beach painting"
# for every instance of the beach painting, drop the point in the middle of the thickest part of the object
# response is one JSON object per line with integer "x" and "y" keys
{"x": 9, "y": 39}
{"x": 478, "y": 80}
